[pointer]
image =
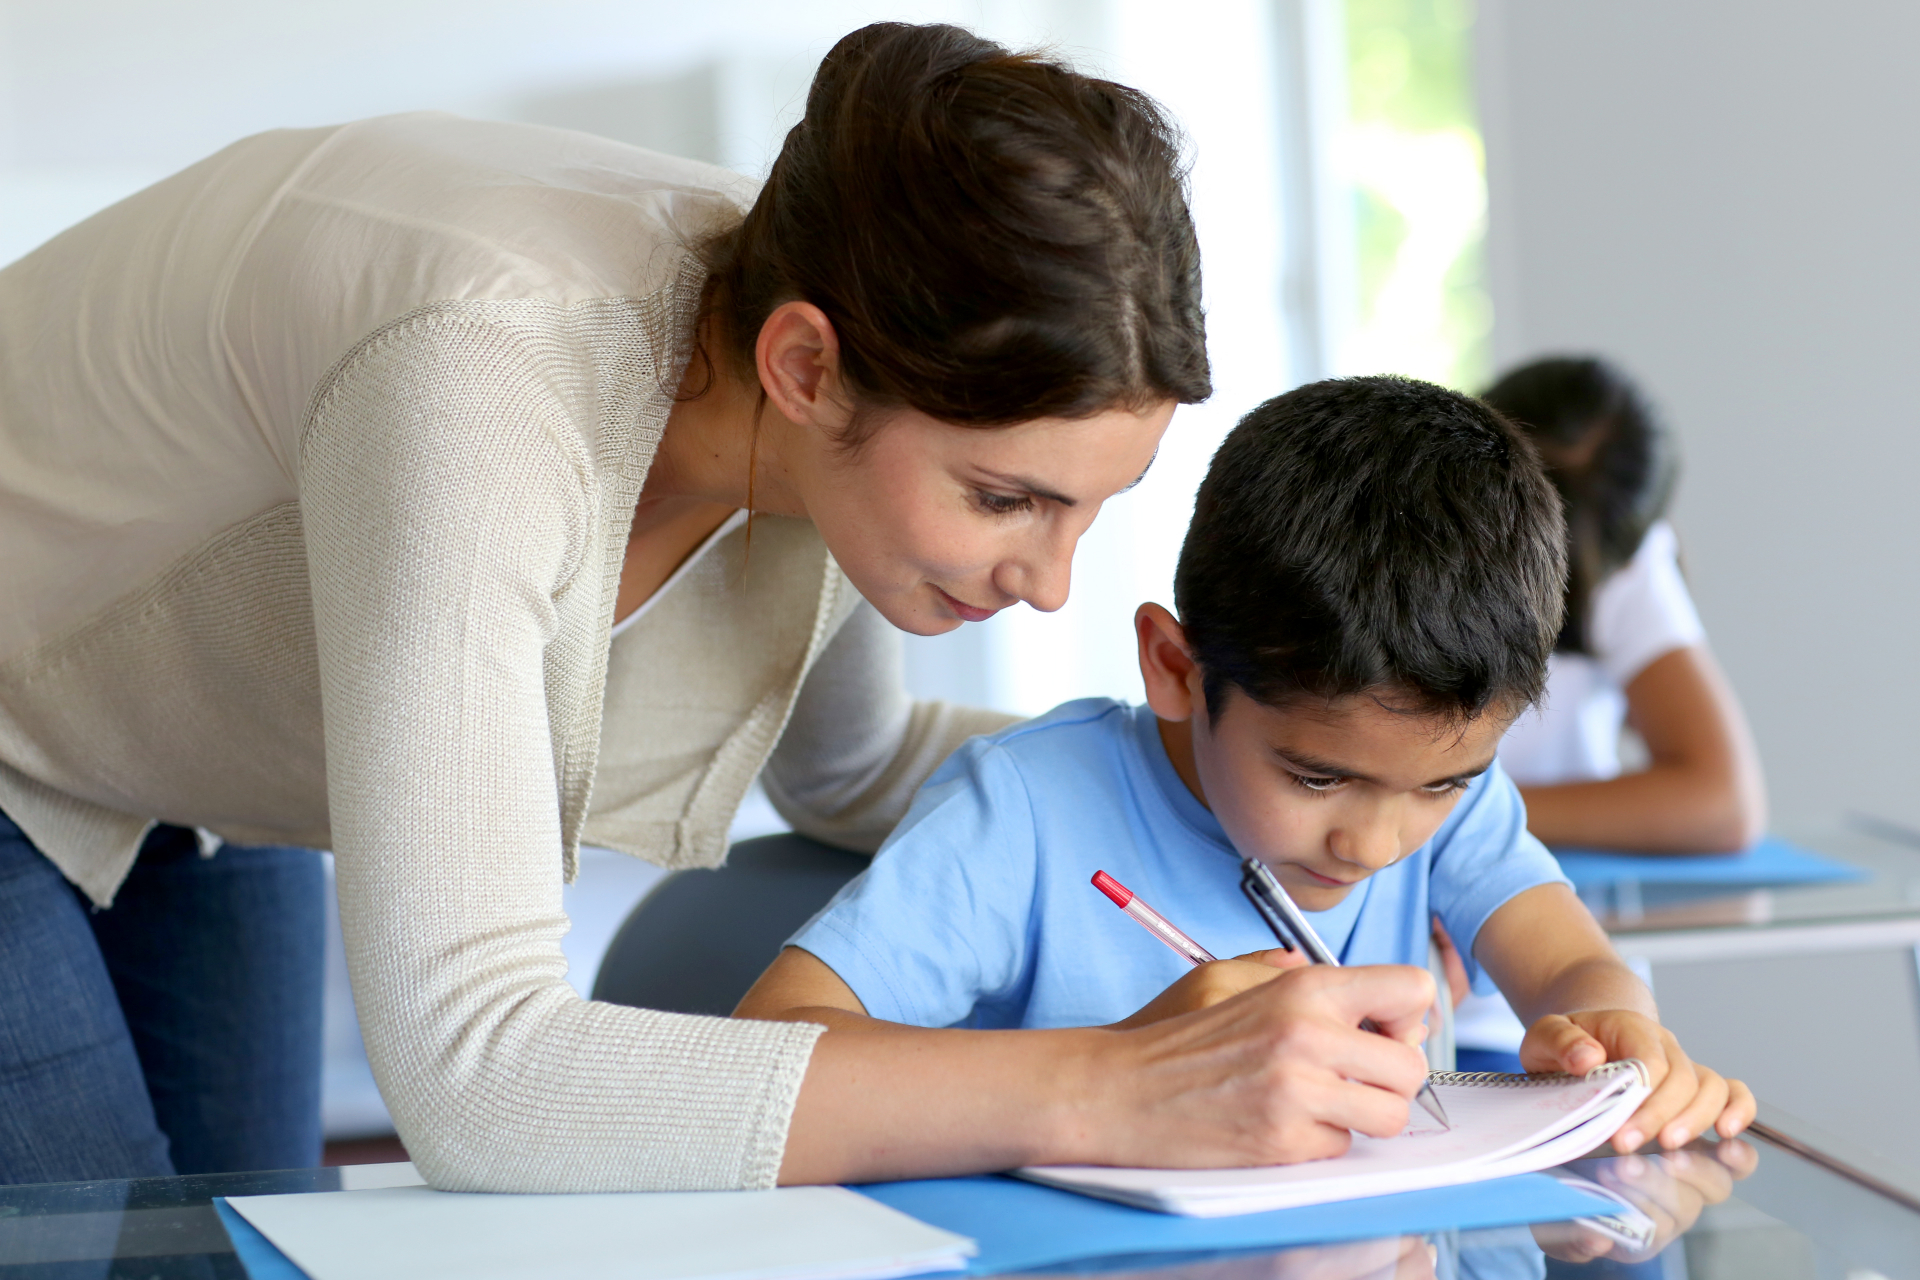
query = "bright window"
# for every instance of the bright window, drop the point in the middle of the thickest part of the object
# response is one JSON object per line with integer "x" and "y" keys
{"x": 1411, "y": 151}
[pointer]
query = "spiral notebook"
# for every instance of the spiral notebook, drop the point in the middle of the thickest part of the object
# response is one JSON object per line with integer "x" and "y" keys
{"x": 1502, "y": 1124}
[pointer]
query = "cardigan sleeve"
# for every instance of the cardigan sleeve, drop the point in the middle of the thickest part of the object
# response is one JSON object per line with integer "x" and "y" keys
{"x": 857, "y": 746}
{"x": 447, "y": 501}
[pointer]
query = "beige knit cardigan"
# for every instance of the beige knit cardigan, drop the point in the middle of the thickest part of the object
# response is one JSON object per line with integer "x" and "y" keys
{"x": 317, "y": 462}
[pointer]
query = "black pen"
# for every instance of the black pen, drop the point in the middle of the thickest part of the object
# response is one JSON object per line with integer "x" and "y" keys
{"x": 1283, "y": 916}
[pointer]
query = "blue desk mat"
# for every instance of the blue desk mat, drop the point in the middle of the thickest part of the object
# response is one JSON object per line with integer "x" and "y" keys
{"x": 1020, "y": 1225}
{"x": 1771, "y": 862}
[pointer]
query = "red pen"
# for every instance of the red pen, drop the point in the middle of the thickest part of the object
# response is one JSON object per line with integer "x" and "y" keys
{"x": 1155, "y": 923}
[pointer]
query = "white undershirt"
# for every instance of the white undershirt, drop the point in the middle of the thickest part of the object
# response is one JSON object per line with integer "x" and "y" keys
{"x": 731, "y": 523}
{"x": 1640, "y": 613}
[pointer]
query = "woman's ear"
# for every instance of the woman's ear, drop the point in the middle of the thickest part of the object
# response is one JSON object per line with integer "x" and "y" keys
{"x": 1166, "y": 664}
{"x": 798, "y": 356}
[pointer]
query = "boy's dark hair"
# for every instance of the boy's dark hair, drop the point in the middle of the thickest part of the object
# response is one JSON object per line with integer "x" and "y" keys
{"x": 1374, "y": 534}
{"x": 1607, "y": 453}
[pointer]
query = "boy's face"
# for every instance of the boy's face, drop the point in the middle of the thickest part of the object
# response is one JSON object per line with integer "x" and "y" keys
{"x": 1328, "y": 794}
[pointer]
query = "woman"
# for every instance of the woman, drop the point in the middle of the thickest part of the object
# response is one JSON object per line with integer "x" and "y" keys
{"x": 327, "y": 468}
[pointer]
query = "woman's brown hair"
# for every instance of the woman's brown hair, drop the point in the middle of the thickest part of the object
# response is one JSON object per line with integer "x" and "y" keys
{"x": 995, "y": 237}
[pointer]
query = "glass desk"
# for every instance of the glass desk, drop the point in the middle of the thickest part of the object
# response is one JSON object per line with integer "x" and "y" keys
{"x": 1764, "y": 1210}
{"x": 1810, "y": 994}
{"x": 1702, "y": 920}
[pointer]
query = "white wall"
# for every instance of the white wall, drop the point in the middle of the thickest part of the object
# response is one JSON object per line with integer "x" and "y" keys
{"x": 1721, "y": 194}
{"x": 98, "y": 97}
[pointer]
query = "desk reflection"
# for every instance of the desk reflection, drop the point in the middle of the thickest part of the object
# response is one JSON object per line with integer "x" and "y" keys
{"x": 1660, "y": 1196}
{"x": 1398, "y": 1258}
{"x": 1669, "y": 1189}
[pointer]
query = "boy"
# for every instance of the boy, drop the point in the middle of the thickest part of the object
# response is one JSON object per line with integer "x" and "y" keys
{"x": 1368, "y": 594}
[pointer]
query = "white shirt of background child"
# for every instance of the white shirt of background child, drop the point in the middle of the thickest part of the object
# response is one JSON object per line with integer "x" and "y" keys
{"x": 1642, "y": 612}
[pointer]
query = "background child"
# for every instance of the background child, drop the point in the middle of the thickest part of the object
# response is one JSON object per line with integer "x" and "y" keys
{"x": 1631, "y": 652}
{"x": 1368, "y": 596}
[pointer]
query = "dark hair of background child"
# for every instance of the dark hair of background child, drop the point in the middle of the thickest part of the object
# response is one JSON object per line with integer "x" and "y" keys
{"x": 995, "y": 237}
{"x": 1610, "y": 457}
{"x": 1374, "y": 535}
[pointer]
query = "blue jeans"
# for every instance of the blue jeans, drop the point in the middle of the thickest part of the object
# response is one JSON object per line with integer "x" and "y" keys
{"x": 178, "y": 1031}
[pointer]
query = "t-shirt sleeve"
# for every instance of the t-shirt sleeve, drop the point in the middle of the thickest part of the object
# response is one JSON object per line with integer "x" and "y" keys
{"x": 1483, "y": 856}
{"x": 1644, "y": 610}
{"x": 941, "y": 920}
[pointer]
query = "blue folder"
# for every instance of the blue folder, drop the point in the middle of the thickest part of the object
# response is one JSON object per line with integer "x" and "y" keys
{"x": 1020, "y": 1225}
{"x": 1772, "y": 862}
{"x": 257, "y": 1253}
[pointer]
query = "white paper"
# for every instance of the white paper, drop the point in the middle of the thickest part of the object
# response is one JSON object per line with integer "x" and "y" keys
{"x": 416, "y": 1233}
{"x": 370, "y": 1177}
{"x": 1497, "y": 1130}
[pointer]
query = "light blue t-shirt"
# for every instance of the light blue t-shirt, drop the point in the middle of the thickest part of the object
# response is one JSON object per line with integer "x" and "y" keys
{"x": 978, "y": 911}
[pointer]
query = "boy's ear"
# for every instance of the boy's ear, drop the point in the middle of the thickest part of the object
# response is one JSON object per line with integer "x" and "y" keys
{"x": 1166, "y": 664}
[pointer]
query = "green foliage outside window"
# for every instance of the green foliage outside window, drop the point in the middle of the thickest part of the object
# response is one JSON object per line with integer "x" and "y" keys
{"x": 1412, "y": 152}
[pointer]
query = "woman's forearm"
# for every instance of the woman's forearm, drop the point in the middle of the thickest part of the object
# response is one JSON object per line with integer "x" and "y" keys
{"x": 884, "y": 1101}
{"x": 1277, "y": 1074}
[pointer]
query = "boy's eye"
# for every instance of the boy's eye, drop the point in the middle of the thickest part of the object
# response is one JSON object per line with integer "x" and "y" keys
{"x": 1315, "y": 782}
{"x": 1001, "y": 504}
{"x": 1451, "y": 787}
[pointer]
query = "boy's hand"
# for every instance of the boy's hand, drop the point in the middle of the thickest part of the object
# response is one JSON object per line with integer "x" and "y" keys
{"x": 1687, "y": 1097}
{"x": 1670, "y": 1189}
{"x": 1209, "y": 984}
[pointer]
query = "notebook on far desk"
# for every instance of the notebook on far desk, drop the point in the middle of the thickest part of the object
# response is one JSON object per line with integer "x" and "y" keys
{"x": 1502, "y": 1124}
{"x": 1772, "y": 863}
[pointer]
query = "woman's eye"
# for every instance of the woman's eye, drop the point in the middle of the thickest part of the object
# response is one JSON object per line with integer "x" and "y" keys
{"x": 1001, "y": 504}
{"x": 1315, "y": 783}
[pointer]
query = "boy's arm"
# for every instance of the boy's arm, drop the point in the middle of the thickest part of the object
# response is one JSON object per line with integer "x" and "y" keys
{"x": 1583, "y": 1007}
{"x": 800, "y": 987}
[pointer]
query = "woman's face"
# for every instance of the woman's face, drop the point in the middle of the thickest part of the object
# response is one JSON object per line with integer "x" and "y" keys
{"x": 938, "y": 524}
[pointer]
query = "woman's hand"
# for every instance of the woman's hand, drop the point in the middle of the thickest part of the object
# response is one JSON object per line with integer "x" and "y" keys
{"x": 1687, "y": 1098}
{"x": 1278, "y": 1073}
{"x": 1671, "y": 1189}
{"x": 1209, "y": 984}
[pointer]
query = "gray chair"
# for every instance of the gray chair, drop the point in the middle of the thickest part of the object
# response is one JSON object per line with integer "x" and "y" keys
{"x": 700, "y": 938}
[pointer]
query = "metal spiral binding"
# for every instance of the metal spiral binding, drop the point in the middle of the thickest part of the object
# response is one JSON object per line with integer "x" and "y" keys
{"x": 1508, "y": 1080}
